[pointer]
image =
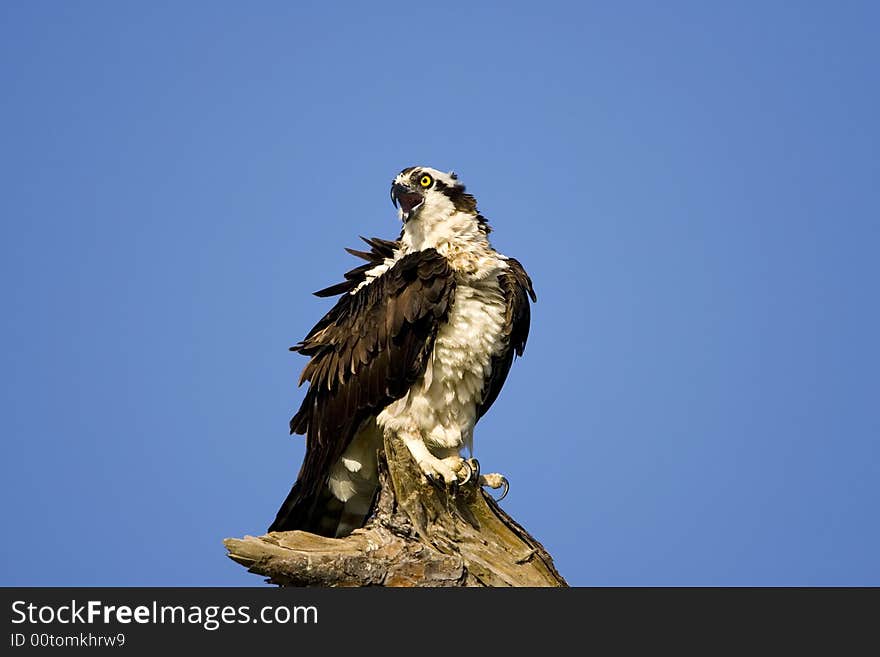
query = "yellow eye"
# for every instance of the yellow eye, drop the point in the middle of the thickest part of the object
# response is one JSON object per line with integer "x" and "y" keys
{"x": 426, "y": 180}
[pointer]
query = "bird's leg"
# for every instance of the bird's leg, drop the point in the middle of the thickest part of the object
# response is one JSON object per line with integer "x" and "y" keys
{"x": 471, "y": 468}
{"x": 433, "y": 468}
{"x": 495, "y": 481}
{"x": 453, "y": 470}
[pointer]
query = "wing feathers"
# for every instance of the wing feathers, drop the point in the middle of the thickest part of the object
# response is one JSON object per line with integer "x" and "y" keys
{"x": 365, "y": 353}
{"x": 516, "y": 286}
{"x": 380, "y": 250}
{"x": 364, "y": 255}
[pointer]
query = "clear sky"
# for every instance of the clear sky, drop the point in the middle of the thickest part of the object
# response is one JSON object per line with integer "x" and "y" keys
{"x": 692, "y": 186}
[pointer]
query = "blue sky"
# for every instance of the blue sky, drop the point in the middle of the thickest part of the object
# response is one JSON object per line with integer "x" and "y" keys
{"x": 693, "y": 188}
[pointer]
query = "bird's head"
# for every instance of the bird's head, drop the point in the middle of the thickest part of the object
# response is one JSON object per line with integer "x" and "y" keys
{"x": 429, "y": 193}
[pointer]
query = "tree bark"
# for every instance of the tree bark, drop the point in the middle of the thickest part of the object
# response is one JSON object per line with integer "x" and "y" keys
{"x": 418, "y": 535}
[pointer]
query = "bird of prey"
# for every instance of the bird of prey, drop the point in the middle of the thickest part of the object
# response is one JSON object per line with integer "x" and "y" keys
{"x": 416, "y": 349}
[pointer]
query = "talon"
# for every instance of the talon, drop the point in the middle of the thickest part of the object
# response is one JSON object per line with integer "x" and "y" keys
{"x": 506, "y": 485}
{"x": 469, "y": 475}
{"x": 496, "y": 481}
{"x": 475, "y": 466}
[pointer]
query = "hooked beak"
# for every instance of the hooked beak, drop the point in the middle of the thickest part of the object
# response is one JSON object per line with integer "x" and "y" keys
{"x": 410, "y": 201}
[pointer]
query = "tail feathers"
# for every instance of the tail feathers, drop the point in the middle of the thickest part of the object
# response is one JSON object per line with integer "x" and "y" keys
{"x": 321, "y": 513}
{"x": 355, "y": 512}
{"x": 300, "y": 510}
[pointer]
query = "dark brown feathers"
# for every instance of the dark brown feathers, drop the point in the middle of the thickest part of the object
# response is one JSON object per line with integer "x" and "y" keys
{"x": 365, "y": 353}
{"x": 464, "y": 202}
{"x": 379, "y": 250}
{"x": 517, "y": 289}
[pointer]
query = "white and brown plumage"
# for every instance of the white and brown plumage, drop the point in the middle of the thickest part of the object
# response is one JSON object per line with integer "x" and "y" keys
{"x": 417, "y": 347}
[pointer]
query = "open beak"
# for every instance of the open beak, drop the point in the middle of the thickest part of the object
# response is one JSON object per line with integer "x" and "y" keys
{"x": 409, "y": 200}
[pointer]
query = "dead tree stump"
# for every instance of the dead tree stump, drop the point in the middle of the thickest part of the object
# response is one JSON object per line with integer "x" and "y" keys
{"x": 418, "y": 535}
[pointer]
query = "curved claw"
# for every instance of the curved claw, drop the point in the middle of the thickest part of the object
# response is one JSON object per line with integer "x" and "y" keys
{"x": 475, "y": 464}
{"x": 470, "y": 473}
{"x": 496, "y": 481}
{"x": 506, "y": 485}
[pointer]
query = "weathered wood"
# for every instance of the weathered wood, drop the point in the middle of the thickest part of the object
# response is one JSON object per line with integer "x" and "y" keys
{"x": 418, "y": 535}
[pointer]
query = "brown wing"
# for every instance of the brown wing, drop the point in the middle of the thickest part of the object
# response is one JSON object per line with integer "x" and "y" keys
{"x": 517, "y": 288}
{"x": 379, "y": 250}
{"x": 364, "y": 354}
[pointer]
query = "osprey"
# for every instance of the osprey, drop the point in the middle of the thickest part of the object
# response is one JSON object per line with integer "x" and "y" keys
{"x": 416, "y": 348}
